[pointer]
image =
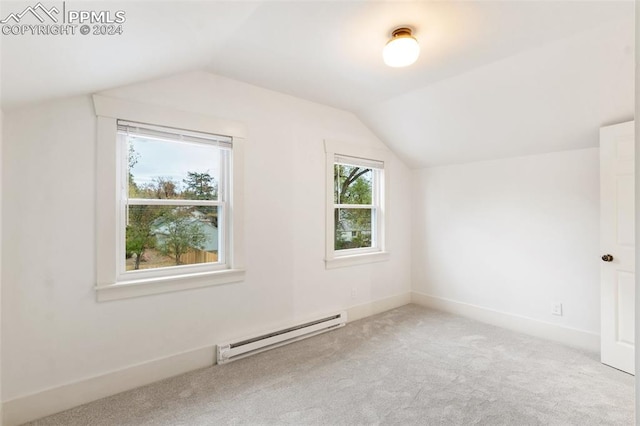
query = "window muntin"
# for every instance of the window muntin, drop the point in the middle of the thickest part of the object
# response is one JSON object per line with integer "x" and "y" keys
{"x": 356, "y": 209}
{"x": 175, "y": 192}
{"x": 111, "y": 282}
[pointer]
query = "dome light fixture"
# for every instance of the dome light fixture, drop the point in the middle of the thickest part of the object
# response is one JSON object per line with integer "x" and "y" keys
{"x": 402, "y": 49}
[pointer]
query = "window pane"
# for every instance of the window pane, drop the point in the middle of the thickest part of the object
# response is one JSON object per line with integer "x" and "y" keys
{"x": 353, "y": 228}
{"x": 352, "y": 185}
{"x": 164, "y": 236}
{"x": 176, "y": 170}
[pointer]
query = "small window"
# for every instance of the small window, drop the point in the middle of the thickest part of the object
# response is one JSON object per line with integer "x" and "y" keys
{"x": 356, "y": 178}
{"x": 356, "y": 190}
{"x": 175, "y": 192}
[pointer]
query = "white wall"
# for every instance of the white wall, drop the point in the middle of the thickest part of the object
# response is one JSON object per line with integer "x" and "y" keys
{"x": 637, "y": 152}
{"x": 1, "y": 120}
{"x": 551, "y": 98}
{"x": 512, "y": 236}
{"x": 54, "y": 332}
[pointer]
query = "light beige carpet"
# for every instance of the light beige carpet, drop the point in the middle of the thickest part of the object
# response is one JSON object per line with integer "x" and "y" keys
{"x": 403, "y": 367}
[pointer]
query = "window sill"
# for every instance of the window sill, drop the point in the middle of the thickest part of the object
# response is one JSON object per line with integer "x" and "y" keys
{"x": 149, "y": 286}
{"x": 356, "y": 259}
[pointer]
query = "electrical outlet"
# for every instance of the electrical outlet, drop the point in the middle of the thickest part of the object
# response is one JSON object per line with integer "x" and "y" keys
{"x": 556, "y": 309}
{"x": 354, "y": 293}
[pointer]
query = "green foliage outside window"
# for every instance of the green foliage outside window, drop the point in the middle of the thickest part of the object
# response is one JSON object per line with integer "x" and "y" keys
{"x": 353, "y": 226}
{"x": 171, "y": 231}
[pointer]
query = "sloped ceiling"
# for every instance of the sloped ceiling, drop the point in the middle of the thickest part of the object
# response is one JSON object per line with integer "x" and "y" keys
{"x": 547, "y": 99}
{"x": 495, "y": 78}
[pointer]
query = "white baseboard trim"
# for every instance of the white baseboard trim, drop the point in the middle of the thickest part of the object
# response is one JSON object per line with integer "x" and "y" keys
{"x": 569, "y": 336}
{"x": 35, "y": 406}
{"x": 364, "y": 310}
{"x": 31, "y": 407}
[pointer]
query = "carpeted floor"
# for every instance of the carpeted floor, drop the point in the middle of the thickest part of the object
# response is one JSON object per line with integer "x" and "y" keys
{"x": 407, "y": 366}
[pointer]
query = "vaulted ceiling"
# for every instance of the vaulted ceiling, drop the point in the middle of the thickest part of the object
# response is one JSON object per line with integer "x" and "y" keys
{"x": 488, "y": 72}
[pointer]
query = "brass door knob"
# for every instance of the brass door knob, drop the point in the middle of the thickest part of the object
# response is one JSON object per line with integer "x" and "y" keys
{"x": 607, "y": 258}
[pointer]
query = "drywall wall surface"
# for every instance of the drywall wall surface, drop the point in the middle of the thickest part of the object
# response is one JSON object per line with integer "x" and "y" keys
{"x": 637, "y": 153}
{"x": 1, "y": 119}
{"x": 56, "y": 333}
{"x": 551, "y": 98}
{"x": 514, "y": 236}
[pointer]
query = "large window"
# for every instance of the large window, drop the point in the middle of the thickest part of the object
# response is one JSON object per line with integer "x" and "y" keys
{"x": 356, "y": 214}
{"x": 176, "y": 192}
{"x": 169, "y": 207}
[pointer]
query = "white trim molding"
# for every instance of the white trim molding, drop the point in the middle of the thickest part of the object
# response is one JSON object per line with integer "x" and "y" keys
{"x": 110, "y": 285}
{"x": 50, "y": 401}
{"x": 34, "y": 406}
{"x": 566, "y": 335}
{"x": 149, "y": 286}
{"x": 117, "y": 108}
{"x": 356, "y": 259}
{"x": 357, "y": 256}
{"x": 365, "y": 310}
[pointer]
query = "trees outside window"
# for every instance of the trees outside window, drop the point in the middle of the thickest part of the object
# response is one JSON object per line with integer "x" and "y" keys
{"x": 175, "y": 200}
{"x": 356, "y": 197}
{"x": 353, "y": 187}
{"x": 182, "y": 232}
{"x": 169, "y": 199}
{"x": 356, "y": 181}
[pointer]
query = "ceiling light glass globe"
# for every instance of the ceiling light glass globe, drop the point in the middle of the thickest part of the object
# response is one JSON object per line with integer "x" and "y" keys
{"x": 401, "y": 51}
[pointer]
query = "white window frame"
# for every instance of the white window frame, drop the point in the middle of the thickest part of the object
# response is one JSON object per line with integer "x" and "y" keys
{"x": 222, "y": 204}
{"x": 377, "y": 253}
{"x": 112, "y": 283}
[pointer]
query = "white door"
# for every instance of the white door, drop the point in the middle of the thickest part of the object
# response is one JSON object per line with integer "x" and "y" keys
{"x": 617, "y": 244}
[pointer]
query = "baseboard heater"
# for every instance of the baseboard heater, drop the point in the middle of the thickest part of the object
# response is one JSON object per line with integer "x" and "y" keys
{"x": 242, "y": 348}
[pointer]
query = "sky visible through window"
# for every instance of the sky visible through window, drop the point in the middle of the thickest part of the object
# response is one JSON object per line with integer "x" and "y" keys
{"x": 158, "y": 158}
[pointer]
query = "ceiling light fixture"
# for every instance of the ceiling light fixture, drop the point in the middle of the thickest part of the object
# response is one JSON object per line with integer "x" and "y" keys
{"x": 402, "y": 50}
